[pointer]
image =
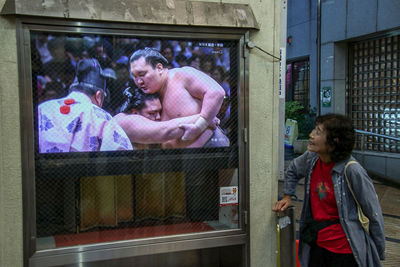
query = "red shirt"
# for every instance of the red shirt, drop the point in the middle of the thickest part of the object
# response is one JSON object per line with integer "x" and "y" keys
{"x": 324, "y": 208}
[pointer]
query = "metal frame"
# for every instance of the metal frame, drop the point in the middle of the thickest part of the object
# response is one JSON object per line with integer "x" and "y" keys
{"x": 364, "y": 134}
{"x": 306, "y": 95}
{"x": 122, "y": 249}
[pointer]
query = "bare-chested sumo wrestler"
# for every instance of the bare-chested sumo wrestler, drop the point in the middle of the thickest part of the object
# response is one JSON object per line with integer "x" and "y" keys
{"x": 140, "y": 117}
{"x": 183, "y": 92}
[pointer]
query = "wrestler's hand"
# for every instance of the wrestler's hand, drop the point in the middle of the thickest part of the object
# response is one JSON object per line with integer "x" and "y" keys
{"x": 214, "y": 123}
{"x": 282, "y": 204}
{"x": 191, "y": 131}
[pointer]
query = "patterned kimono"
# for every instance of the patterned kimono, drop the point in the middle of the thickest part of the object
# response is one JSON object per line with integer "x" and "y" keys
{"x": 74, "y": 123}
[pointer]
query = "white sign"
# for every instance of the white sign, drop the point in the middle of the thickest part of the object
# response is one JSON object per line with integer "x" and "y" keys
{"x": 291, "y": 131}
{"x": 228, "y": 196}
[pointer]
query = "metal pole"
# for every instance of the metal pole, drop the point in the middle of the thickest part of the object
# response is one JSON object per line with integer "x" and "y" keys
{"x": 362, "y": 150}
{"x": 287, "y": 238}
{"x": 282, "y": 89}
{"x": 319, "y": 58}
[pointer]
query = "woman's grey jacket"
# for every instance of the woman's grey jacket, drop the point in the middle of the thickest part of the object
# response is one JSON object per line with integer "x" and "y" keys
{"x": 368, "y": 249}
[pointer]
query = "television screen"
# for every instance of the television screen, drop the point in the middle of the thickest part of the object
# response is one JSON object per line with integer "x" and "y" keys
{"x": 123, "y": 93}
{"x": 134, "y": 136}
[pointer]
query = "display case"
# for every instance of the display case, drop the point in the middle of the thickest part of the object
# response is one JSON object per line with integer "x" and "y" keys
{"x": 85, "y": 201}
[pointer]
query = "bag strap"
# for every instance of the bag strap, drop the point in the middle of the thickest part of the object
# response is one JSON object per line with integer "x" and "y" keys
{"x": 347, "y": 180}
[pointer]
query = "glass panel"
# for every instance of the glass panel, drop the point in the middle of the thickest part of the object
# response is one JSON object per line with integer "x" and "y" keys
{"x": 111, "y": 162}
{"x": 298, "y": 82}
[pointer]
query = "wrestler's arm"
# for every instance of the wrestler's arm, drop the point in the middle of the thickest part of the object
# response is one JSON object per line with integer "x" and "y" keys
{"x": 144, "y": 131}
{"x": 211, "y": 94}
{"x": 202, "y": 86}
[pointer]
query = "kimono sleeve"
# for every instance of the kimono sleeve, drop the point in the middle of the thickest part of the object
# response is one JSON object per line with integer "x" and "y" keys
{"x": 114, "y": 138}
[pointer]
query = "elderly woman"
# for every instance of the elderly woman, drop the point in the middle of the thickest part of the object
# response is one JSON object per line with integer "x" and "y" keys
{"x": 330, "y": 231}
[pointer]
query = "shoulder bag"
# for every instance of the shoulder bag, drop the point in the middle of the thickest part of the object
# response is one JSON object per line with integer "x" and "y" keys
{"x": 361, "y": 216}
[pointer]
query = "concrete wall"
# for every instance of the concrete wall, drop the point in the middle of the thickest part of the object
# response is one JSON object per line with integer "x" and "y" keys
{"x": 10, "y": 149}
{"x": 302, "y": 27}
{"x": 263, "y": 136}
{"x": 263, "y": 133}
{"x": 342, "y": 20}
{"x": 381, "y": 165}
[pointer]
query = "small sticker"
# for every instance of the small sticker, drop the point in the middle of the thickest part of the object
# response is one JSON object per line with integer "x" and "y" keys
{"x": 228, "y": 196}
{"x": 284, "y": 222}
{"x": 326, "y": 96}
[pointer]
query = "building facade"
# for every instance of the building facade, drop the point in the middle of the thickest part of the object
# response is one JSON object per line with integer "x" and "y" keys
{"x": 195, "y": 207}
{"x": 352, "y": 51}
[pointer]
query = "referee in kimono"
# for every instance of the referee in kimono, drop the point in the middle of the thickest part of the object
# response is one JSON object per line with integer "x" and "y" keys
{"x": 77, "y": 122}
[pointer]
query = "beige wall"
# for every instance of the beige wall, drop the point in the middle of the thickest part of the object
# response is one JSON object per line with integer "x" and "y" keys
{"x": 263, "y": 138}
{"x": 264, "y": 103}
{"x": 10, "y": 148}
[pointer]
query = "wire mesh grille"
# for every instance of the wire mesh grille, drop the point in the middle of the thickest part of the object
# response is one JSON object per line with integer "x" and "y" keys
{"x": 374, "y": 93}
{"x": 96, "y": 180}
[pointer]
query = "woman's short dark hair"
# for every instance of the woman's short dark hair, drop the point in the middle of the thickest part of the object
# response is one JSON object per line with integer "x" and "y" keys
{"x": 340, "y": 135}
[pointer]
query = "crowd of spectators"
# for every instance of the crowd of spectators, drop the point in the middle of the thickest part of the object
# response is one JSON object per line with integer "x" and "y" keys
{"x": 54, "y": 59}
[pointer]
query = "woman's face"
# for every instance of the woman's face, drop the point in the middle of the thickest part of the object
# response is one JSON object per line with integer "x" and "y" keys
{"x": 317, "y": 142}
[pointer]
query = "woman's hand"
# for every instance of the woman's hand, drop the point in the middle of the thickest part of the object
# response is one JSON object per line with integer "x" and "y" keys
{"x": 282, "y": 204}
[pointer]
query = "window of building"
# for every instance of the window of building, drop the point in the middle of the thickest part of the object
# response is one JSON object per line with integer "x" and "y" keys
{"x": 298, "y": 82}
{"x": 374, "y": 99}
{"x": 92, "y": 180}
